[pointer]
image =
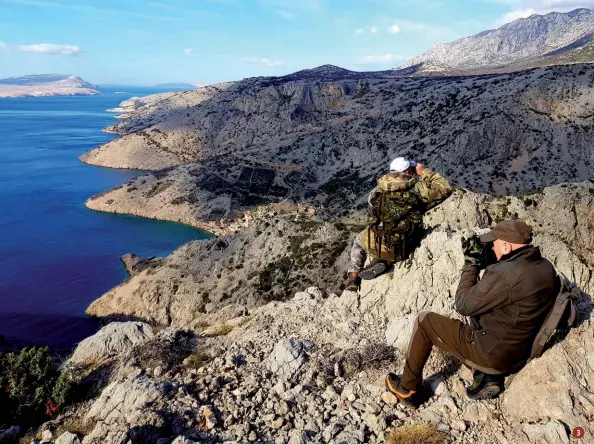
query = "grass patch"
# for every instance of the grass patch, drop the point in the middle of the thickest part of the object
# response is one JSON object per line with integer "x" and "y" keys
{"x": 222, "y": 330}
{"x": 78, "y": 426}
{"x": 197, "y": 360}
{"x": 417, "y": 434}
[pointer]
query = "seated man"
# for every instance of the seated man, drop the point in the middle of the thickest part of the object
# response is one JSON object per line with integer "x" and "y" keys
{"x": 396, "y": 208}
{"x": 506, "y": 308}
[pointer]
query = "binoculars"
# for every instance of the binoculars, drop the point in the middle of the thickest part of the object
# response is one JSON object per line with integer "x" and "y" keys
{"x": 480, "y": 253}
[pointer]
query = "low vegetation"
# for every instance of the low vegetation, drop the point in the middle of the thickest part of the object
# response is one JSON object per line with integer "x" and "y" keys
{"x": 32, "y": 387}
{"x": 417, "y": 434}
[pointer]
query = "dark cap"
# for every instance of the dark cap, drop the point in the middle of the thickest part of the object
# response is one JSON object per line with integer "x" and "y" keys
{"x": 512, "y": 231}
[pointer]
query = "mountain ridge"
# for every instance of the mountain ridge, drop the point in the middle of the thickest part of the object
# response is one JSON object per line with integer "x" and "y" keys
{"x": 536, "y": 36}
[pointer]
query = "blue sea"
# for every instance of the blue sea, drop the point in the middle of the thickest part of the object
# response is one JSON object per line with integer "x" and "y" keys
{"x": 56, "y": 256}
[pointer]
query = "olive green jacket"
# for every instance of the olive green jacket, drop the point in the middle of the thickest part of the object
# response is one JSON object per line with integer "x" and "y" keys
{"x": 431, "y": 187}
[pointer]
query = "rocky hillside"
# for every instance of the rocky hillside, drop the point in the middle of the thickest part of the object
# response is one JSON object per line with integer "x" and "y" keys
{"x": 266, "y": 142}
{"x": 532, "y": 38}
{"x": 276, "y": 256}
{"x": 307, "y": 367}
{"x": 46, "y": 85}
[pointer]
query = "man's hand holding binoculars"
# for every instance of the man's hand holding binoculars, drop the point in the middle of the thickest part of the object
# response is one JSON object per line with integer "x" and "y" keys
{"x": 476, "y": 253}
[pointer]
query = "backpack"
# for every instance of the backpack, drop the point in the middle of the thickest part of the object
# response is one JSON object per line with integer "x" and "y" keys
{"x": 395, "y": 217}
{"x": 562, "y": 316}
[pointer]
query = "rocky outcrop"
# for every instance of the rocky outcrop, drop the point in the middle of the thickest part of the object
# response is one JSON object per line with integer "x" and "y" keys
{"x": 273, "y": 259}
{"x": 110, "y": 340}
{"x": 135, "y": 264}
{"x": 217, "y": 279}
{"x": 128, "y": 409}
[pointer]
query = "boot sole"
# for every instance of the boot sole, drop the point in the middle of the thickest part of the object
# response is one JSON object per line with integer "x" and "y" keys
{"x": 405, "y": 401}
{"x": 373, "y": 271}
{"x": 488, "y": 392}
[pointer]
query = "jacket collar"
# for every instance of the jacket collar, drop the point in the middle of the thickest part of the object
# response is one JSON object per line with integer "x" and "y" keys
{"x": 527, "y": 250}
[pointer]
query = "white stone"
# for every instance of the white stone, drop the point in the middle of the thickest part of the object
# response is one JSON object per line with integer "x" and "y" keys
{"x": 112, "y": 339}
{"x": 286, "y": 358}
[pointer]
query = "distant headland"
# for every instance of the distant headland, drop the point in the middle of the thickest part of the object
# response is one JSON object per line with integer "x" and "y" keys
{"x": 46, "y": 85}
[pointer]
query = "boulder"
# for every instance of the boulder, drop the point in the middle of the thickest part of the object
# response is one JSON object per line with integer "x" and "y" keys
{"x": 68, "y": 438}
{"x": 132, "y": 406}
{"x": 286, "y": 358}
{"x": 112, "y": 339}
{"x": 551, "y": 433}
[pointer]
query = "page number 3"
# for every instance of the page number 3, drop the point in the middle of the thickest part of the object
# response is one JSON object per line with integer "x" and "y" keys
{"x": 578, "y": 432}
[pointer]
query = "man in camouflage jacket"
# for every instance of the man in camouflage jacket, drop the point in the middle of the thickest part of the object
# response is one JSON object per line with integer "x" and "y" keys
{"x": 404, "y": 177}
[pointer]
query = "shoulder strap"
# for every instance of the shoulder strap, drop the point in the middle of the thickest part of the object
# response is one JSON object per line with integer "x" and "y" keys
{"x": 550, "y": 324}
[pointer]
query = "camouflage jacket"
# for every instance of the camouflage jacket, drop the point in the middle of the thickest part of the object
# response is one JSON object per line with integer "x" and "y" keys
{"x": 431, "y": 187}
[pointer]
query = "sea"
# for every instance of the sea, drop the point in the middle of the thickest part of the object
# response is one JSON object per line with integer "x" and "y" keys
{"x": 57, "y": 256}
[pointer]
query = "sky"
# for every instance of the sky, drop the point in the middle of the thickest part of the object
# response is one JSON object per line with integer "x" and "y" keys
{"x": 145, "y": 42}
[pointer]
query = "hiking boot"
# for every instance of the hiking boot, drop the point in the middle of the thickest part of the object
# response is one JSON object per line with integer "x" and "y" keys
{"x": 484, "y": 386}
{"x": 407, "y": 397}
{"x": 353, "y": 282}
{"x": 373, "y": 270}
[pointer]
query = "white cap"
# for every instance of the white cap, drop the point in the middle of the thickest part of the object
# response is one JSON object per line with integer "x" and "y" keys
{"x": 400, "y": 164}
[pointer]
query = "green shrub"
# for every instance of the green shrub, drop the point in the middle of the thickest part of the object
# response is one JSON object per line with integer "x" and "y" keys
{"x": 33, "y": 387}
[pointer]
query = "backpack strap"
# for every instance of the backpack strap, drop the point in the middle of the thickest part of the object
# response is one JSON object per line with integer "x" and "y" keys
{"x": 551, "y": 324}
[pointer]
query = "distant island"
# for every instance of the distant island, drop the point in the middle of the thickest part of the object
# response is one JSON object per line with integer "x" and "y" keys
{"x": 46, "y": 85}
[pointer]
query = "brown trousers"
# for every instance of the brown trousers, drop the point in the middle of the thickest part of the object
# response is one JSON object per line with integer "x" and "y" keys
{"x": 451, "y": 335}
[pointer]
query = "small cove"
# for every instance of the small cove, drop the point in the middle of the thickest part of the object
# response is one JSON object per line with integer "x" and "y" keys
{"x": 58, "y": 256}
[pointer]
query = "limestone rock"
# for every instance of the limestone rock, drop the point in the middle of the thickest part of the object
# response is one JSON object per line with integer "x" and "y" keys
{"x": 124, "y": 405}
{"x": 550, "y": 433}
{"x": 550, "y": 382}
{"x": 286, "y": 358}
{"x": 68, "y": 438}
{"x": 476, "y": 412}
{"x": 111, "y": 339}
{"x": 182, "y": 440}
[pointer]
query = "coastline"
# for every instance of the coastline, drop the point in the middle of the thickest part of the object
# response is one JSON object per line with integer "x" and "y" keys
{"x": 139, "y": 213}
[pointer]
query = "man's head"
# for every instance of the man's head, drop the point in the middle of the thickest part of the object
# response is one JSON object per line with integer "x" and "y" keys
{"x": 401, "y": 165}
{"x": 508, "y": 236}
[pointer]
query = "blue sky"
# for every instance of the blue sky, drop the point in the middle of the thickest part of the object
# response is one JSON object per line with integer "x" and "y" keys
{"x": 206, "y": 41}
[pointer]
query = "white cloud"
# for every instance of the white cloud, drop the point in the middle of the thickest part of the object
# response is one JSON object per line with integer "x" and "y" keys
{"x": 525, "y": 8}
{"x": 50, "y": 48}
{"x": 514, "y": 15}
{"x": 373, "y": 29}
{"x": 394, "y": 29}
{"x": 263, "y": 61}
{"x": 285, "y": 14}
{"x": 188, "y": 51}
{"x": 3, "y": 45}
{"x": 359, "y": 31}
{"x": 379, "y": 59}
